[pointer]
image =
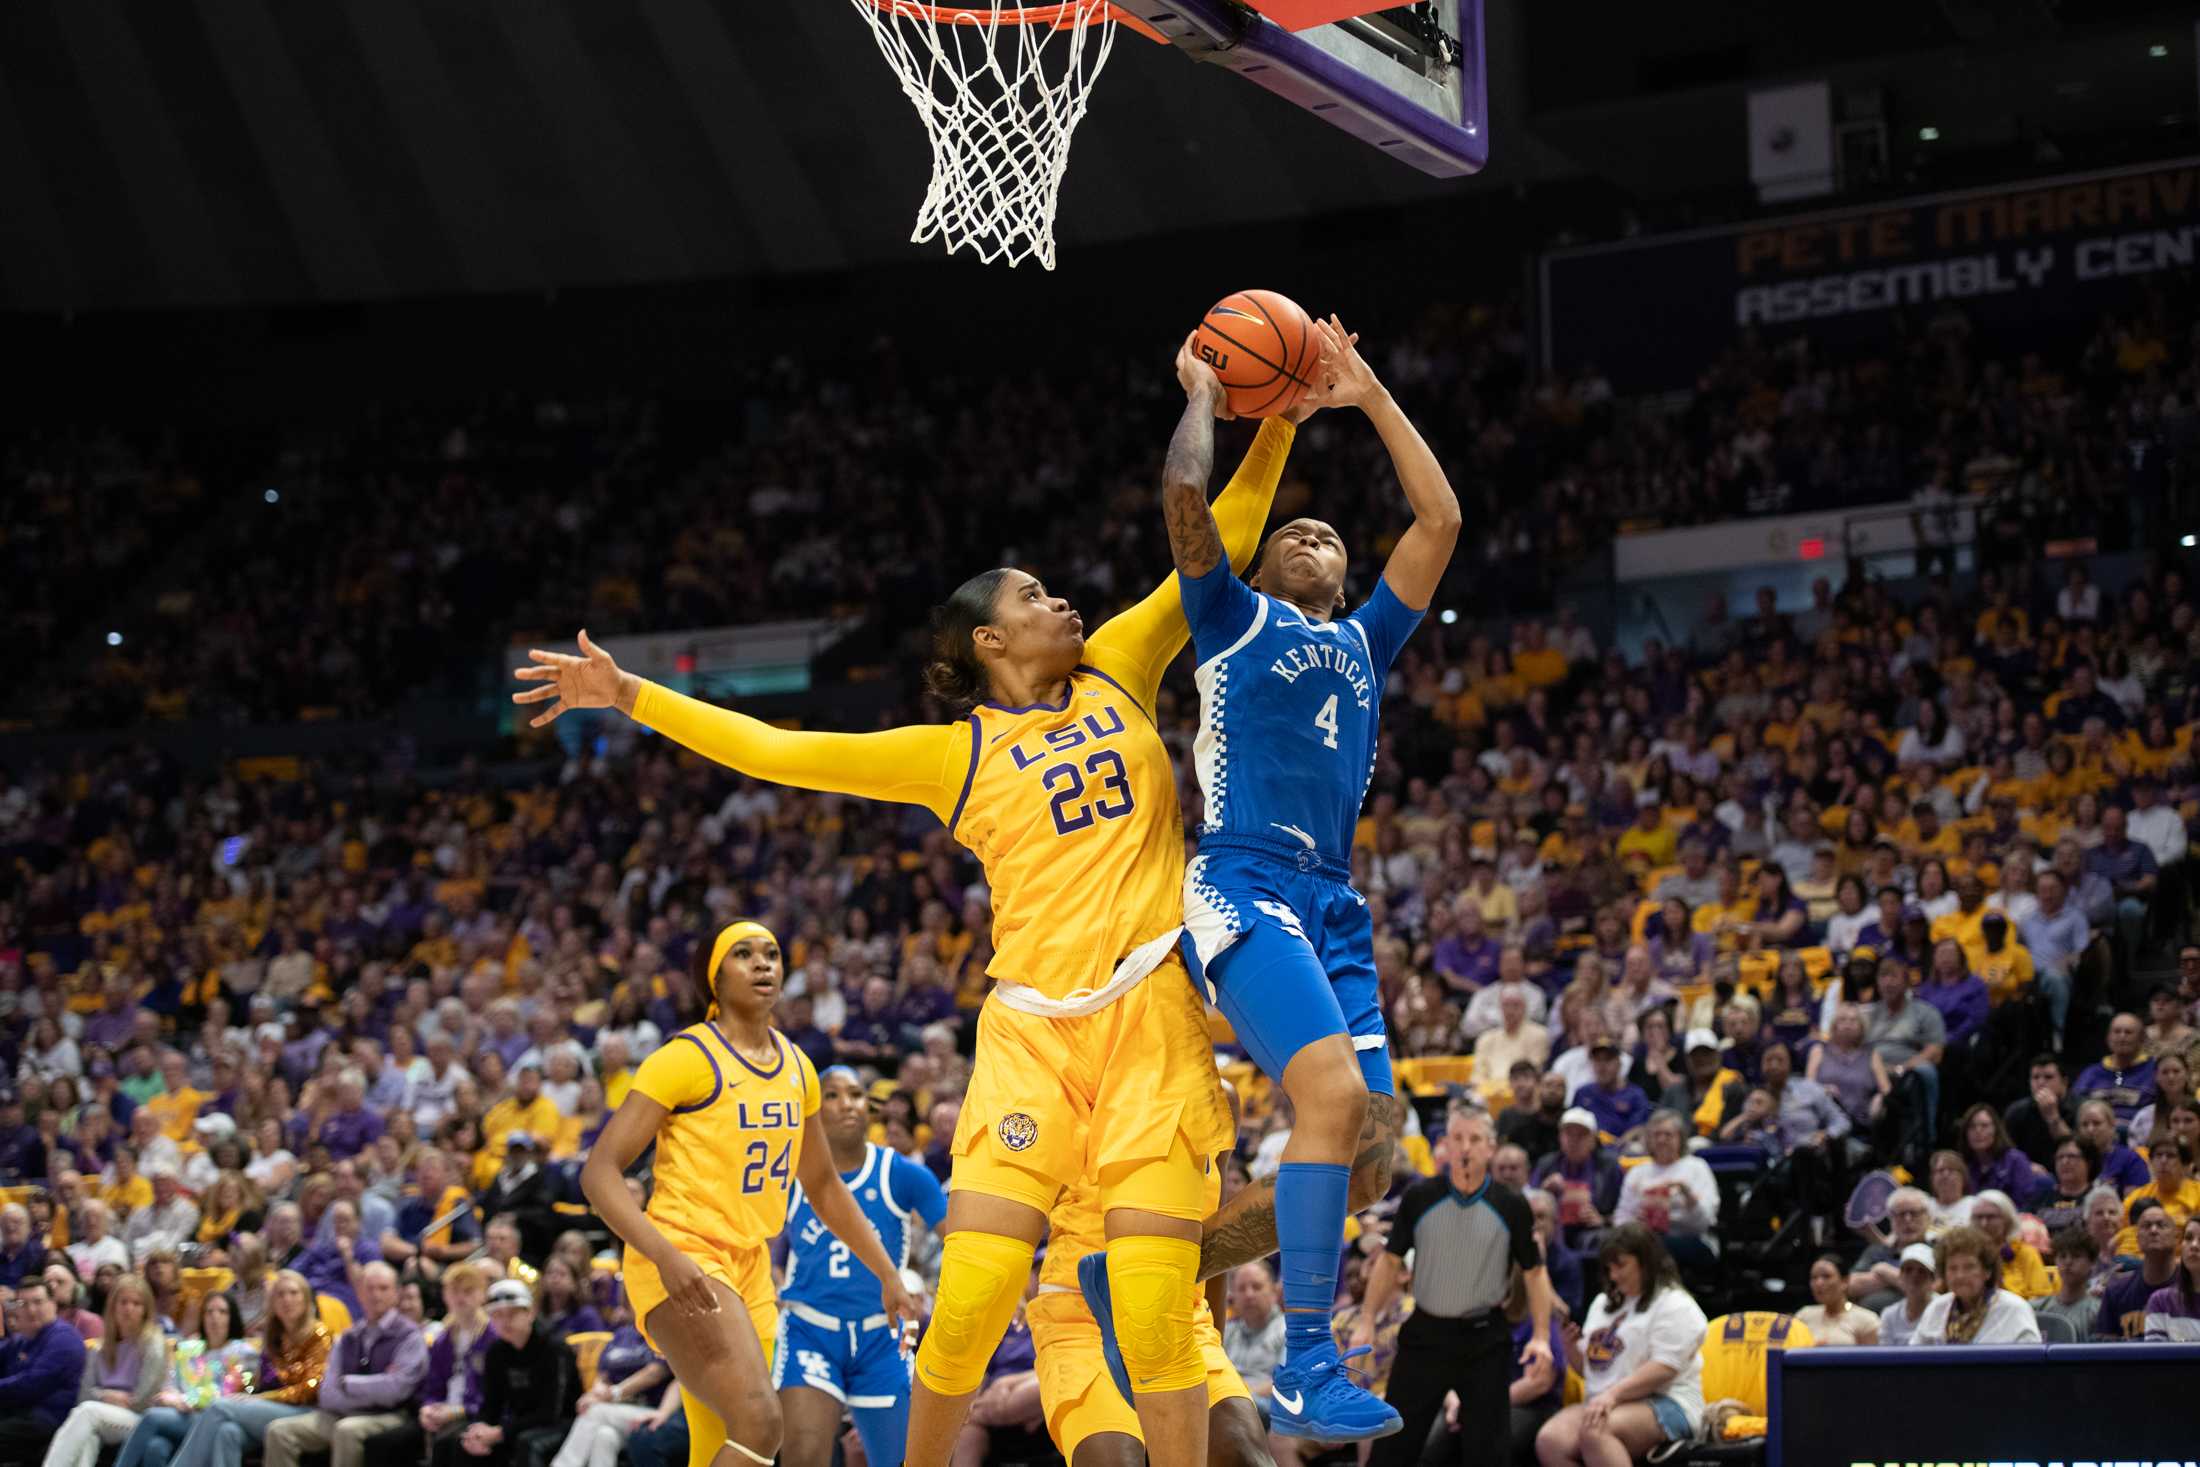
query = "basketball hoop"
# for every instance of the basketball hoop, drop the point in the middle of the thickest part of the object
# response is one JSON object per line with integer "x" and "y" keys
{"x": 1000, "y": 90}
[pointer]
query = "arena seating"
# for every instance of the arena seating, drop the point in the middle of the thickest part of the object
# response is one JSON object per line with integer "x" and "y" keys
{"x": 282, "y": 993}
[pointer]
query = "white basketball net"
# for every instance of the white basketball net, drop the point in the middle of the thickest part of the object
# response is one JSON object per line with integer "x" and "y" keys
{"x": 1000, "y": 92}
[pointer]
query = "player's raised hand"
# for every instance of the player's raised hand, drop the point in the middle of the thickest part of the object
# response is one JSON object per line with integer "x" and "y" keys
{"x": 590, "y": 680}
{"x": 1199, "y": 378}
{"x": 1319, "y": 393}
{"x": 1344, "y": 377}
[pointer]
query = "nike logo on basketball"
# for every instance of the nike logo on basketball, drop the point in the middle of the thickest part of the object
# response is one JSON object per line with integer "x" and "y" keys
{"x": 1289, "y": 1403}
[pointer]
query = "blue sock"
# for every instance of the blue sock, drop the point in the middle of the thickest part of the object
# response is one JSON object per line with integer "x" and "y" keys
{"x": 1310, "y": 1202}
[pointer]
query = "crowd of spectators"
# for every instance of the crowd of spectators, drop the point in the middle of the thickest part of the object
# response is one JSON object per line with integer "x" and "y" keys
{"x": 332, "y": 572}
{"x": 1879, "y": 882}
{"x": 1895, "y": 879}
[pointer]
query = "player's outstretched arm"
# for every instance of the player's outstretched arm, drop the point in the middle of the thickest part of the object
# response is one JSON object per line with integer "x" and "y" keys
{"x": 1195, "y": 541}
{"x": 919, "y": 765}
{"x": 1138, "y": 645}
{"x": 1417, "y": 563}
{"x": 828, "y": 1194}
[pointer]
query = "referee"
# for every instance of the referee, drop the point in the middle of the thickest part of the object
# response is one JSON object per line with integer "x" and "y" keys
{"x": 1467, "y": 1232}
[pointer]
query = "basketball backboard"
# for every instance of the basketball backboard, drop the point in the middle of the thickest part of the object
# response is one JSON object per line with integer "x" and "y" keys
{"x": 1001, "y": 89}
{"x": 1406, "y": 78}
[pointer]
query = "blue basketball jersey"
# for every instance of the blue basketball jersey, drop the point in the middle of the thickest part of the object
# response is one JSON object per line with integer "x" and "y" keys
{"x": 1288, "y": 709}
{"x": 821, "y": 1272}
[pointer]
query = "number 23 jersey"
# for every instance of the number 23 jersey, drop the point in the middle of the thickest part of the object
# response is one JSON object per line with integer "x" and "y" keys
{"x": 1072, "y": 808}
{"x": 1288, "y": 709}
{"x": 728, "y": 1152}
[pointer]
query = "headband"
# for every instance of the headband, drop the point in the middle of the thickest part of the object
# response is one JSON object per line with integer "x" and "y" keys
{"x": 738, "y": 932}
{"x": 848, "y": 1070}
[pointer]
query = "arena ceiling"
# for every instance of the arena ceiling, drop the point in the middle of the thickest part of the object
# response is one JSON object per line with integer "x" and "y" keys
{"x": 211, "y": 153}
{"x": 215, "y": 152}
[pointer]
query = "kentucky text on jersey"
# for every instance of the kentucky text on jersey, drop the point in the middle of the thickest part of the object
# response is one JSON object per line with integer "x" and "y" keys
{"x": 1313, "y": 656}
{"x": 1288, "y": 710}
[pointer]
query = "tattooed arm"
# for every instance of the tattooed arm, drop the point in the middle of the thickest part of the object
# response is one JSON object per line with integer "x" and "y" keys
{"x": 1194, "y": 540}
{"x": 1245, "y": 1228}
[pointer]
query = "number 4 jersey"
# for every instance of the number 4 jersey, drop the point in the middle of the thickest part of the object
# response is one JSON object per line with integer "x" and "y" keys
{"x": 728, "y": 1152}
{"x": 1288, "y": 710}
{"x": 899, "y": 1196}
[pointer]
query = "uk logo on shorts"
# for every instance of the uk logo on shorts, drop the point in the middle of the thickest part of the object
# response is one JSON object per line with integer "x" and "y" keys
{"x": 1018, "y": 1131}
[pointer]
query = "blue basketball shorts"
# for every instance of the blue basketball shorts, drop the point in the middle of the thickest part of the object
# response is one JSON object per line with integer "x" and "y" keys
{"x": 1285, "y": 949}
{"x": 855, "y": 1361}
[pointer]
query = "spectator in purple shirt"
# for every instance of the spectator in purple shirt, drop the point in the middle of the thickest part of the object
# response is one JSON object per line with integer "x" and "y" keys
{"x": 799, "y": 1024}
{"x": 1963, "y": 1003}
{"x": 927, "y": 999}
{"x": 1620, "y": 1108}
{"x": 374, "y": 1372}
{"x": 41, "y": 1367}
{"x": 2123, "y": 1313}
{"x": 1885, "y": 930}
{"x": 21, "y": 1255}
{"x": 1994, "y": 1161}
{"x": 869, "y": 1031}
{"x": 350, "y": 1128}
{"x": 385, "y": 1082}
{"x": 1466, "y": 957}
{"x": 2123, "y": 1077}
{"x": 328, "y": 1266}
{"x": 22, "y": 1153}
{"x": 110, "y": 1029}
{"x": 505, "y": 1035}
{"x": 2129, "y": 868}
{"x": 2121, "y": 1167}
{"x": 2173, "y": 1311}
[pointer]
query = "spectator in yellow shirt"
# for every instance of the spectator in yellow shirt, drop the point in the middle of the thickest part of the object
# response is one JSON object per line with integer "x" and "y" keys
{"x": 2023, "y": 1271}
{"x": 1924, "y": 835}
{"x": 525, "y": 1109}
{"x": 1535, "y": 663}
{"x": 125, "y": 1191}
{"x": 1499, "y": 903}
{"x": 1649, "y": 839}
{"x": 178, "y": 1105}
{"x": 2001, "y": 962}
{"x": 2170, "y": 1160}
{"x": 615, "y": 1065}
{"x": 1964, "y": 923}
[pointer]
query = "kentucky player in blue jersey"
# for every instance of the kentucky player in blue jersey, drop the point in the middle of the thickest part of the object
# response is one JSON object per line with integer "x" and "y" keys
{"x": 836, "y": 1347}
{"x": 1290, "y": 689}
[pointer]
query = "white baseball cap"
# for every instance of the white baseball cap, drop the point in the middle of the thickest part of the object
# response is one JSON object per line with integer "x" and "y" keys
{"x": 1701, "y": 1039}
{"x": 1921, "y": 1254}
{"x": 510, "y": 1294}
{"x": 1578, "y": 1116}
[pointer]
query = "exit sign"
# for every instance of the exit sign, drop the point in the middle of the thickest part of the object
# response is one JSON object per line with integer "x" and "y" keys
{"x": 1811, "y": 547}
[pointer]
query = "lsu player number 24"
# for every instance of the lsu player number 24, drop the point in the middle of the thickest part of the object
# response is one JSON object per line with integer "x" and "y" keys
{"x": 731, "y": 1107}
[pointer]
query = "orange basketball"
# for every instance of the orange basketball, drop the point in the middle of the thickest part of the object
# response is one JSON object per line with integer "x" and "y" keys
{"x": 1263, "y": 347}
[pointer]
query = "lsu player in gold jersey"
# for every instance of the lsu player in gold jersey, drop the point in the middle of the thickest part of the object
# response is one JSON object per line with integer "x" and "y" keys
{"x": 1093, "y": 1057}
{"x": 731, "y": 1106}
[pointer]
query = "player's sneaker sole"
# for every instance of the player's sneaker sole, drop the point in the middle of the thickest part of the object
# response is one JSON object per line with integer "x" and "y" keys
{"x": 1283, "y": 1424}
{"x": 1092, "y": 1282}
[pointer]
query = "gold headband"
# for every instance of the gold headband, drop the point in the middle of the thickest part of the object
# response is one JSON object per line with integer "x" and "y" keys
{"x": 738, "y": 932}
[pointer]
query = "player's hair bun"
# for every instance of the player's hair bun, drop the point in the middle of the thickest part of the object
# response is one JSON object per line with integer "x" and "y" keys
{"x": 955, "y": 676}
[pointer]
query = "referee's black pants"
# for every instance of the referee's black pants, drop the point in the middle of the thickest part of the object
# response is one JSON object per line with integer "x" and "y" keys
{"x": 1472, "y": 1356}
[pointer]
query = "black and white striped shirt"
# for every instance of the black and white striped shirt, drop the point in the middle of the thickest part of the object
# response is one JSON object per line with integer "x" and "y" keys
{"x": 1464, "y": 1245}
